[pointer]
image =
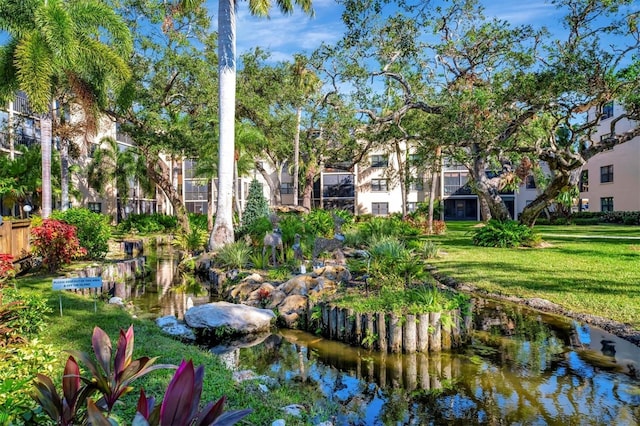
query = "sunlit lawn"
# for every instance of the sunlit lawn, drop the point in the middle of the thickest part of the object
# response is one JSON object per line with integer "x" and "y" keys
{"x": 590, "y": 275}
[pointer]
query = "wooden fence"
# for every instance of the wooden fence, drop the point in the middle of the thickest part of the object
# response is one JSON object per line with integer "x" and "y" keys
{"x": 14, "y": 238}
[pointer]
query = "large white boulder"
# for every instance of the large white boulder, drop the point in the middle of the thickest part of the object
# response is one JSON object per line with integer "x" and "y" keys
{"x": 233, "y": 318}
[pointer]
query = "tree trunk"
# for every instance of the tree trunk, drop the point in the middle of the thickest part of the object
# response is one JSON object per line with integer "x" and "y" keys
{"x": 560, "y": 181}
{"x": 434, "y": 186}
{"x": 274, "y": 186}
{"x": 64, "y": 174}
{"x": 236, "y": 195}
{"x": 403, "y": 172}
{"x": 487, "y": 189}
{"x": 222, "y": 232}
{"x": 296, "y": 156}
{"x": 162, "y": 179}
{"x": 45, "y": 134}
{"x": 212, "y": 186}
{"x": 308, "y": 187}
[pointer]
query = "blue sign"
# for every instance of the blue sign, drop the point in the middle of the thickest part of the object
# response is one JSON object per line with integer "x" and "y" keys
{"x": 77, "y": 283}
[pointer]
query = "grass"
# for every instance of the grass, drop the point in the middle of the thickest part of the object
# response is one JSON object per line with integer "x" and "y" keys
{"x": 597, "y": 275}
{"x": 73, "y": 331}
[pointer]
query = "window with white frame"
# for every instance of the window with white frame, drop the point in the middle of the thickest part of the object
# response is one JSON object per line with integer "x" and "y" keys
{"x": 380, "y": 209}
{"x": 378, "y": 160}
{"x": 378, "y": 185}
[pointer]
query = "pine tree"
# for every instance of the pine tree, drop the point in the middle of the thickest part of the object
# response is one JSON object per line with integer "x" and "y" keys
{"x": 257, "y": 206}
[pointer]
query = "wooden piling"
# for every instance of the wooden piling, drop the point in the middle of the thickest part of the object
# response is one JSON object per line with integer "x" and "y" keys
{"x": 435, "y": 337}
{"x": 395, "y": 334}
{"x": 333, "y": 323}
{"x": 370, "y": 330}
{"x": 381, "y": 331}
{"x": 340, "y": 328}
{"x": 422, "y": 344}
{"x": 325, "y": 319}
{"x": 409, "y": 334}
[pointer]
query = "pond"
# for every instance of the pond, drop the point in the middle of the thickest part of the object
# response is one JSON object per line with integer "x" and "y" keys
{"x": 521, "y": 367}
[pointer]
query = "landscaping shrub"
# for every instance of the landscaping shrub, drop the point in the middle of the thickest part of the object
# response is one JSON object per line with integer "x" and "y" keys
{"x": 191, "y": 242}
{"x": 257, "y": 207}
{"x": 93, "y": 230}
{"x": 504, "y": 234}
{"x": 111, "y": 376}
{"x": 30, "y": 318}
{"x": 57, "y": 243}
{"x": 7, "y": 271}
{"x": 319, "y": 223}
{"x": 257, "y": 230}
{"x": 148, "y": 223}
{"x": 290, "y": 225}
{"x": 234, "y": 256}
{"x": 198, "y": 220}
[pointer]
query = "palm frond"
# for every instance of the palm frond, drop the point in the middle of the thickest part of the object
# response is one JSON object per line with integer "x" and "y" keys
{"x": 35, "y": 71}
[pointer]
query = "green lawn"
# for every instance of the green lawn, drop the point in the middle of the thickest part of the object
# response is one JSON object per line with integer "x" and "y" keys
{"x": 596, "y": 275}
{"x": 73, "y": 331}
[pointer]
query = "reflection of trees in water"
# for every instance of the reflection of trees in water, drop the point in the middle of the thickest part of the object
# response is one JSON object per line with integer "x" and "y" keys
{"x": 497, "y": 386}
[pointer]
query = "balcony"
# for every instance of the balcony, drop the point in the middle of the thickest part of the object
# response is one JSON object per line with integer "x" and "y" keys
{"x": 28, "y": 141}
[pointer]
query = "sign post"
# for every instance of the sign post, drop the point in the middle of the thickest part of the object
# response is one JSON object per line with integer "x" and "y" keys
{"x": 77, "y": 284}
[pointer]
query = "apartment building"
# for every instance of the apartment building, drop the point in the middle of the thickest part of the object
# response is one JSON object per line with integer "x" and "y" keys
{"x": 20, "y": 127}
{"x": 611, "y": 179}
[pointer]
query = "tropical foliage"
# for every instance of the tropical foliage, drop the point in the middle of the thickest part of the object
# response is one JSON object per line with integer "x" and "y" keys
{"x": 57, "y": 243}
{"x": 92, "y": 229}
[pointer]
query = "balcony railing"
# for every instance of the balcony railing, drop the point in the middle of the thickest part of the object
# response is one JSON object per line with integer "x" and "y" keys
{"x": 28, "y": 141}
{"x": 21, "y": 104}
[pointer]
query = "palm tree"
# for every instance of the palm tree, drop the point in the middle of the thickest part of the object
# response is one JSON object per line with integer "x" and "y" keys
{"x": 222, "y": 232}
{"x": 55, "y": 47}
{"x": 305, "y": 82}
{"x": 111, "y": 165}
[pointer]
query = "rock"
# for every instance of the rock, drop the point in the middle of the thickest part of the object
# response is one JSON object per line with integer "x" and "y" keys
{"x": 170, "y": 325}
{"x": 242, "y": 290}
{"x": 298, "y": 285}
{"x": 294, "y": 410}
{"x": 277, "y": 296}
{"x": 236, "y": 319}
{"x": 324, "y": 286}
{"x": 116, "y": 301}
{"x": 243, "y": 375}
{"x": 335, "y": 273}
{"x": 261, "y": 295}
{"x": 279, "y": 422}
{"x": 291, "y": 309}
{"x": 204, "y": 261}
{"x": 327, "y": 423}
{"x": 254, "y": 278}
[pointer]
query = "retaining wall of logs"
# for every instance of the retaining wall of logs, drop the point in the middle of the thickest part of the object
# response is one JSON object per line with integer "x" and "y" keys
{"x": 389, "y": 332}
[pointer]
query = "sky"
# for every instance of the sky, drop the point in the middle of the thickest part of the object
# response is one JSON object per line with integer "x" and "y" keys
{"x": 284, "y": 35}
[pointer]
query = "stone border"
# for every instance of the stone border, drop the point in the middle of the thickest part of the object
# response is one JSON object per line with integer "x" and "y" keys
{"x": 619, "y": 329}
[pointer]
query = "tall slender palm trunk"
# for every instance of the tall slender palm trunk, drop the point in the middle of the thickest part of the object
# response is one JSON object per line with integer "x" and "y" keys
{"x": 45, "y": 135}
{"x": 222, "y": 232}
{"x": 296, "y": 156}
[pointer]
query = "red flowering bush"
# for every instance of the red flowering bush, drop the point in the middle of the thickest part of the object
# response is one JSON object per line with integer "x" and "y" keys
{"x": 56, "y": 242}
{"x": 7, "y": 271}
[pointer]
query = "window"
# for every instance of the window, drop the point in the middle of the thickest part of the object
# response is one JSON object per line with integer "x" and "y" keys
{"x": 584, "y": 181}
{"x": 95, "y": 207}
{"x": 606, "y": 204}
{"x": 417, "y": 184}
{"x": 378, "y": 185}
{"x": 412, "y": 206}
{"x": 607, "y": 110}
{"x": 380, "y": 209}
{"x": 530, "y": 182}
{"x": 379, "y": 161}
{"x": 606, "y": 174}
{"x": 286, "y": 188}
{"x": 456, "y": 183}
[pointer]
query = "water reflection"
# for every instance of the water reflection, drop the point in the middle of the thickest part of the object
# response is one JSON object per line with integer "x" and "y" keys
{"x": 522, "y": 367}
{"x": 166, "y": 290}
{"x": 532, "y": 376}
